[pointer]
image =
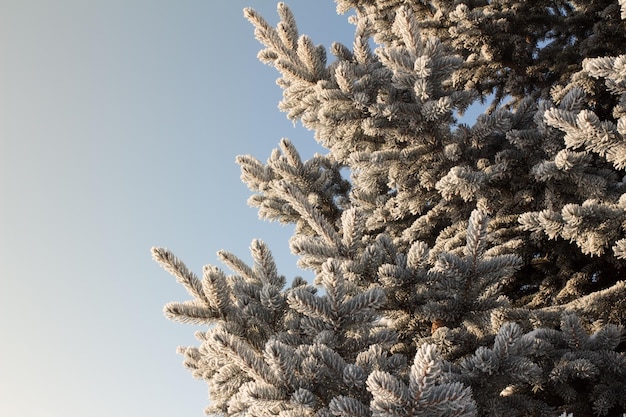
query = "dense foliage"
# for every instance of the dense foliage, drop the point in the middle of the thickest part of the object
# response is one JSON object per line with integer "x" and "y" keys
{"x": 460, "y": 270}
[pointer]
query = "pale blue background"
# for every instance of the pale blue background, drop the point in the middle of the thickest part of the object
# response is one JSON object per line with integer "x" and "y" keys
{"x": 119, "y": 124}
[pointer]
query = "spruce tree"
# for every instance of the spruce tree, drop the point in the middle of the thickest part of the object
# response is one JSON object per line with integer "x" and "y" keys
{"x": 460, "y": 270}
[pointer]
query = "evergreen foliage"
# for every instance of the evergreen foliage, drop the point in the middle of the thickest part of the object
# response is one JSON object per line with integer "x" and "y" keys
{"x": 460, "y": 270}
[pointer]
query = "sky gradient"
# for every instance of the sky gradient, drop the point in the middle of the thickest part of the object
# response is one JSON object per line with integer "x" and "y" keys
{"x": 120, "y": 121}
{"x": 119, "y": 124}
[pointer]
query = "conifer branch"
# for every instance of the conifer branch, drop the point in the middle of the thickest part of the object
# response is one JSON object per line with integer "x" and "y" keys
{"x": 466, "y": 267}
{"x": 174, "y": 266}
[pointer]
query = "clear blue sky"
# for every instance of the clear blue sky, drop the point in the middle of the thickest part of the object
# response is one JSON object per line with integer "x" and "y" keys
{"x": 119, "y": 124}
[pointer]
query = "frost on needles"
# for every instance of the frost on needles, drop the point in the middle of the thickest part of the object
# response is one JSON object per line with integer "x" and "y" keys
{"x": 460, "y": 270}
